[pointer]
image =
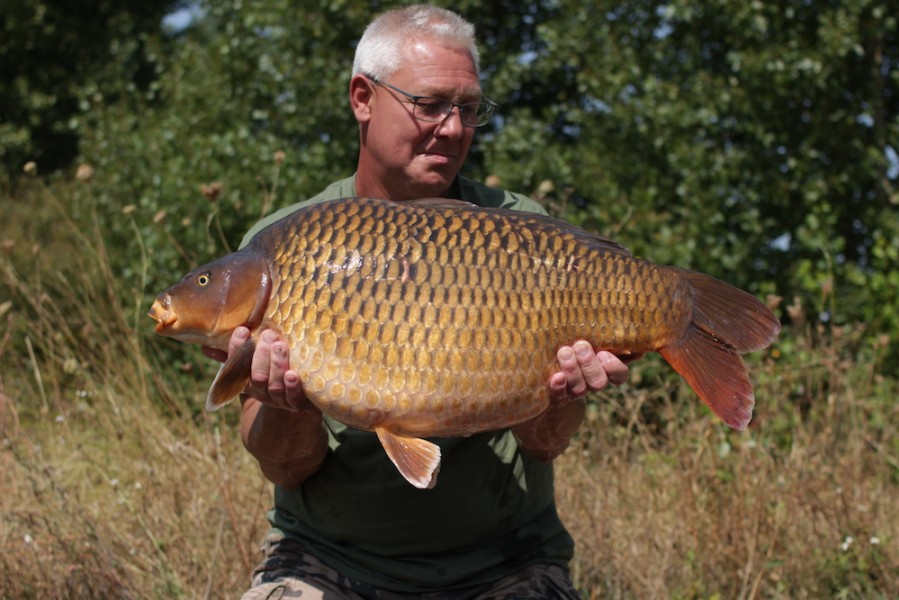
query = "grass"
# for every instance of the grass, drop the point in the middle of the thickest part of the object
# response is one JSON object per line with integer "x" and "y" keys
{"x": 708, "y": 513}
{"x": 116, "y": 484}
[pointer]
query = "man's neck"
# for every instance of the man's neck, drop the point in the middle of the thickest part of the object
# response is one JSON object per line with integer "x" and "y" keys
{"x": 374, "y": 188}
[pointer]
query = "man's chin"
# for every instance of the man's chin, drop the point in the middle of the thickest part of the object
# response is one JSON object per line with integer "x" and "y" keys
{"x": 434, "y": 183}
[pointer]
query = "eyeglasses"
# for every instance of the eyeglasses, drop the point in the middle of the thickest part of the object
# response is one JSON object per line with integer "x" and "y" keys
{"x": 436, "y": 110}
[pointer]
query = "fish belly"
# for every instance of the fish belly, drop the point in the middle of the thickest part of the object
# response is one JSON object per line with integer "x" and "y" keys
{"x": 447, "y": 322}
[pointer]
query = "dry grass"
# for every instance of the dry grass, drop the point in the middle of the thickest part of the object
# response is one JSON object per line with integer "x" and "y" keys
{"x": 701, "y": 518}
{"x": 115, "y": 483}
{"x": 805, "y": 504}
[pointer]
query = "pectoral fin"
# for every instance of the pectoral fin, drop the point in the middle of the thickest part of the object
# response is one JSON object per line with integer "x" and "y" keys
{"x": 232, "y": 378}
{"x": 416, "y": 459}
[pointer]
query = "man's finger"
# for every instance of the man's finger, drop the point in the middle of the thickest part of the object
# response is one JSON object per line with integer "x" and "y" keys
{"x": 238, "y": 337}
{"x": 592, "y": 371}
{"x": 294, "y": 396}
{"x": 261, "y": 364}
{"x": 614, "y": 368}
{"x": 570, "y": 367}
{"x": 277, "y": 369}
{"x": 558, "y": 388}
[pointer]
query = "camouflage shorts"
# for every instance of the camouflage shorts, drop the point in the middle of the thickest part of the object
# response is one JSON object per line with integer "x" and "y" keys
{"x": 289, "y": 572}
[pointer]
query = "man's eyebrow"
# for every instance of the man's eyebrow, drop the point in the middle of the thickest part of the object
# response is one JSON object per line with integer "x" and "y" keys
{"x": 470, "y": 94}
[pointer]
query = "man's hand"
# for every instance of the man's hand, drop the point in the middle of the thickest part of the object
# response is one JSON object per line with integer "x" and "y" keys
{"x": 271, "y": 379}
{"x": 278, "y": 425}
{"x": 272, "y": 382}
{"x": 581, "y": 370}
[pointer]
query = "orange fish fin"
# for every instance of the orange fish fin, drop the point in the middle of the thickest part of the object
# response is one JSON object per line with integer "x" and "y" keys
{"x": 416, "y": 459}
{"x": 729, "y": 313}
{"x": 716, "y": 373}
{"x": 232, "y": 378}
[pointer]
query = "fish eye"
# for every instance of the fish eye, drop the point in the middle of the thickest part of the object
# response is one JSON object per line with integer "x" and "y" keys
{"x": 203, "y": 279}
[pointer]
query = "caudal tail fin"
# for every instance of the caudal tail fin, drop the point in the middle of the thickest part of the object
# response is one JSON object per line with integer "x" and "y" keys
{"x": 727, "y": 322}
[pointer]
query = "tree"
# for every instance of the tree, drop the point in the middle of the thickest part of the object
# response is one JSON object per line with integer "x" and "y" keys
{"x": 57, "y": 60}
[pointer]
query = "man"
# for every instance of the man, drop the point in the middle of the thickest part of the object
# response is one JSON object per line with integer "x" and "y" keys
{"x": 345, "y": 523}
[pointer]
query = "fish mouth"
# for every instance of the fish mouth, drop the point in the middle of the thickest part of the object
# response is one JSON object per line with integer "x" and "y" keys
{"x": 160, "y": 313}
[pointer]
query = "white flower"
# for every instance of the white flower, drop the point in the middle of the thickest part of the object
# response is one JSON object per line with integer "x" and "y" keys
{"x": 847, "y": 543}
{"x": 84, "y": 173}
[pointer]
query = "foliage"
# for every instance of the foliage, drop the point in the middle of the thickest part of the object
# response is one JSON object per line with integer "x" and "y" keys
{"x": 60, "y": 60}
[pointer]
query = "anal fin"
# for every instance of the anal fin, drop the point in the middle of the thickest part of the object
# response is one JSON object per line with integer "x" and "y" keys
{"x": 232, "y": 378}
{"x": 417, "y": 460}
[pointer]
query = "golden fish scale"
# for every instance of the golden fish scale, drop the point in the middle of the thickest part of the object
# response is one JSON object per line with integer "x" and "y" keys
{"x": 445, "y": 322}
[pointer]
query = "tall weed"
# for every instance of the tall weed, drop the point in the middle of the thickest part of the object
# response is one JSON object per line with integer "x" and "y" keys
{"x": 116, "y": 484}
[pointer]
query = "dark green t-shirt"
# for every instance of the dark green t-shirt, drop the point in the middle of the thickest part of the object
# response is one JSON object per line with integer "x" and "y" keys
{"x": 492, "y": 511}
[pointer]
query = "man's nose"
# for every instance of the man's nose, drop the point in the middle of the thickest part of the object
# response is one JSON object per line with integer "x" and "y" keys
{"x": 451, "y": 125}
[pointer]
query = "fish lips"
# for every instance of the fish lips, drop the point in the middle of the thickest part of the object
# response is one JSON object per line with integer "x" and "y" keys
{"x": 160, "y": 313}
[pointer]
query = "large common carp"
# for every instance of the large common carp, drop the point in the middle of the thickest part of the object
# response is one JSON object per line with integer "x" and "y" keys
{"x": 438, "y": 318}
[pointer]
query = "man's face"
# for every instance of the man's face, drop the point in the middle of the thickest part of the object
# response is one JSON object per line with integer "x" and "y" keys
{"x": 413, "y": 158}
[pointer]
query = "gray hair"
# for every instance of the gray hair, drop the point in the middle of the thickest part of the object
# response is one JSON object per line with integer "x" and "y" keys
{"x": 380, "y": 51}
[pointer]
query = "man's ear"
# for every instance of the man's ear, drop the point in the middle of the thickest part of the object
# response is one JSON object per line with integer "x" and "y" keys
{"x": 361, "y": 97}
